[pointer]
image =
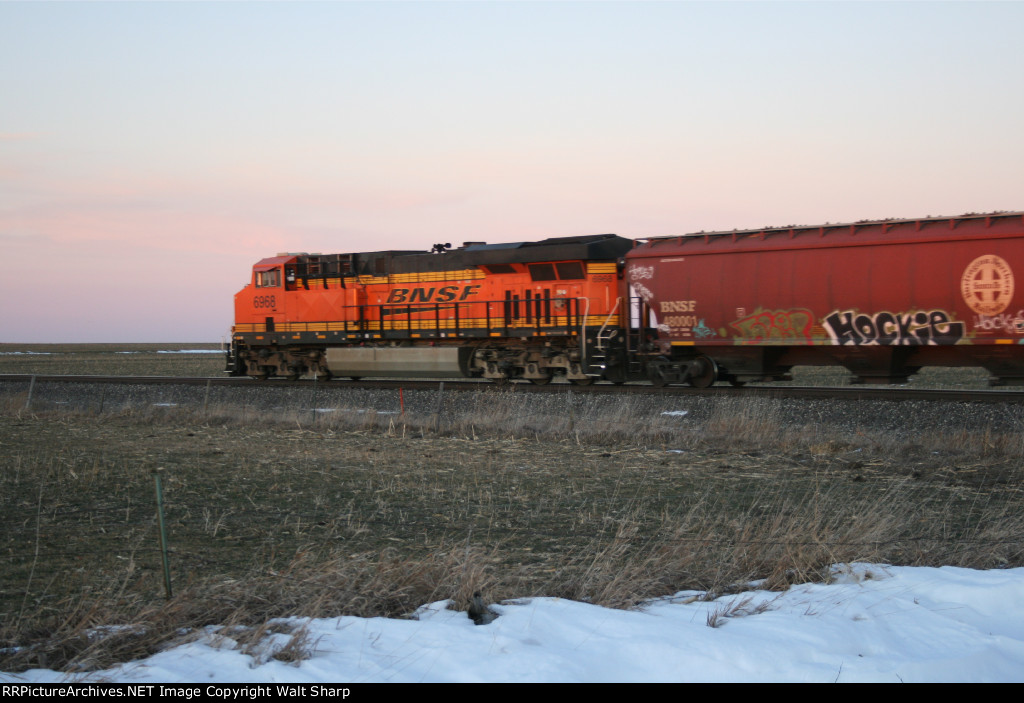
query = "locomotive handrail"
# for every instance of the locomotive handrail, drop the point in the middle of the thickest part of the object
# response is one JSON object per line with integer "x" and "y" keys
{"x": 583, "y": 329}
{"x": 452, "y": 317}
{"x": 600, "y": 338}
{"x": 565, "y": 316}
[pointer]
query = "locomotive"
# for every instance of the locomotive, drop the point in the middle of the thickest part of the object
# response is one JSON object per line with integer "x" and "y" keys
{"x": 882, "y": 298}
{"x": 531, "y": 310}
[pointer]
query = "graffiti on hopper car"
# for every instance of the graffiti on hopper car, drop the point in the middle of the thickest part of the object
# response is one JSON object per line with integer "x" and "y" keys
{"x": 776, "y": 326}
{"x": 917, "y": 327}
{"x": 1004, "y": 323}
{"x": 636, "y": 275}
{"x": 702, "y": 331}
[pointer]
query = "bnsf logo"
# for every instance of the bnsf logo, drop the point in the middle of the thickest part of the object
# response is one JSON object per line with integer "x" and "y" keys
{"x": 431, "y": 295}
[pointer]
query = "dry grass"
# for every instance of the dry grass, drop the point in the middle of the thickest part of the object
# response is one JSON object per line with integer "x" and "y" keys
{"x": 285, "y": 512}
{"x": 739, "y": 607}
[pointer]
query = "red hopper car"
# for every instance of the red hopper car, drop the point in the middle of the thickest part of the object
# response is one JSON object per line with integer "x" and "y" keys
{"x": 881, "y": 298}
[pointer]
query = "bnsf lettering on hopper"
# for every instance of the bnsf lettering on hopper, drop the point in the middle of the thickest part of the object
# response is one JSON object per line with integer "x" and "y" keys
{"x": 882, "y": 298}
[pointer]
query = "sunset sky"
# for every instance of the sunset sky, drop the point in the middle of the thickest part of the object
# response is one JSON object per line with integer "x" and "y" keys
{"x": 150, "y": 153}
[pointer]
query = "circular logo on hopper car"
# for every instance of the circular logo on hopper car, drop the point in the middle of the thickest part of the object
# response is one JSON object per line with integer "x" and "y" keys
{"x": 987, "y": 285}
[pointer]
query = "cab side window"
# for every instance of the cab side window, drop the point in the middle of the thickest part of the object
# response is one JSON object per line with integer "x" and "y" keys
{"x": 268, "y": 279}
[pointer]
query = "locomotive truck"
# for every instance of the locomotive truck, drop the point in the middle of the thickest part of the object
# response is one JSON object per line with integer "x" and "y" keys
{"x": 882, "y": 298}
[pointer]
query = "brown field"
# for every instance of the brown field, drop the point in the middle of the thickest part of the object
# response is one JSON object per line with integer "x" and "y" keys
{"x": 281, "y": 504}
{"x": 110, "y": 359}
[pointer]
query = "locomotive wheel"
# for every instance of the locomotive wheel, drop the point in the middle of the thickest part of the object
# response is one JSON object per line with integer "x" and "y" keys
{"x": 582, "y": 381}
{"x": 705, "y": 372}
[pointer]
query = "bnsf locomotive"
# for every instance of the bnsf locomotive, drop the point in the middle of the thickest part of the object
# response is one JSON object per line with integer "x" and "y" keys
{"x": 882, "y": 298}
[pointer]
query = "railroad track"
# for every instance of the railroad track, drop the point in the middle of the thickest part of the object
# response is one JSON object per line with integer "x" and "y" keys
{"x": 774, "y": 391}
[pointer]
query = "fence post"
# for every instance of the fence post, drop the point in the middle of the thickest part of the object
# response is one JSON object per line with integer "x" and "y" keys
{"x": 31, "y": 387}
{"x": 312, "y": 401}
{"x": 437, "y": 406}
{"x": 163, "y": 531}
{"x": 572, "y": 411}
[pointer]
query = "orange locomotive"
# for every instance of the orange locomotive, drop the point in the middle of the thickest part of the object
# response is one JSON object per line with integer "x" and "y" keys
{"x": 531, "y": 310}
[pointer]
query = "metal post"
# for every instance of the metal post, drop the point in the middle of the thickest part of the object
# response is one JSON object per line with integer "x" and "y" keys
{"x": 31, "y": 387}
{"x": 572, "y": 411}
{"x": 163, "y": 532}
{"x": 312, "y": 400}
{"x": 437, "y": 406}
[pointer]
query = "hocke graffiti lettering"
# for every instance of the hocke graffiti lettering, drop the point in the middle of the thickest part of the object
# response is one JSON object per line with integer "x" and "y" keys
{"x": 1006, "y": 323}
{"x": 893, "y": 328}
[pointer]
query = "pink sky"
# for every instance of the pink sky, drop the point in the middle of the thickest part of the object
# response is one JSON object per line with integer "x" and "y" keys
{"x": 151, "y": 152}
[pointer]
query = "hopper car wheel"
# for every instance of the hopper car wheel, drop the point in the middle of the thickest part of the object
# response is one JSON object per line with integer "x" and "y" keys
{"x": 541, "y": 381}
{"x": 356, "y": 378}
{"x": 655, "y": 375}
{"x": 736, "y": 383}
{"x": 657, "y": 378}
{"x": 705, "y": 372}
{"x": 324, "y": 376}
{"x": 292, "y": 377}
{"x": 582, "y": 381}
